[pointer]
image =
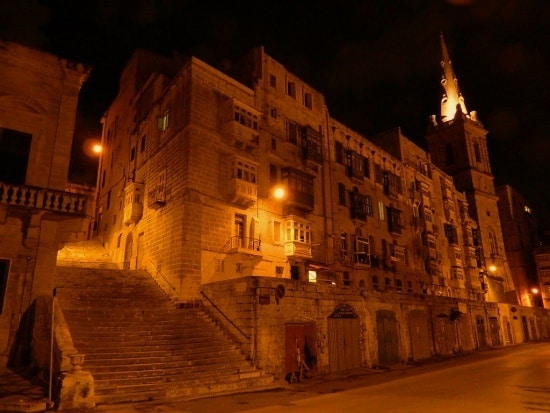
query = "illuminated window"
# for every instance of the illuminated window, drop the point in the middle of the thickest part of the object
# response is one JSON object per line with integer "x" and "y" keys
{"x": 276, "y": 231}
{"x": 381, "y": 209}
{"x": 298, "y": 231}
{"x": 273, "y": 81}
{"x": 162, "y": 122}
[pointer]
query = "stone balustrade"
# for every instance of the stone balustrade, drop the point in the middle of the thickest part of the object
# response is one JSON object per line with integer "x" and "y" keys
{"x": 42, "y": 198}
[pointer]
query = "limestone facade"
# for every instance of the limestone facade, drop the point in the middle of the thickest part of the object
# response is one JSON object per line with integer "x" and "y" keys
{"x": 371, "y": 244}
{"x": 38, "y": 101}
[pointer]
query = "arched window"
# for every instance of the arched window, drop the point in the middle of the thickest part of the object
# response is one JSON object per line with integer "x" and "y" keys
{"x": 493, "y": 242}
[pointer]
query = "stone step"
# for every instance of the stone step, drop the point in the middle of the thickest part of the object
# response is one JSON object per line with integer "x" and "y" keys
{"x": 179, "y": 389}
{"x": 167, "y": 369}
{"x": 157, "y": 358}
{"x": 139, "y": 344}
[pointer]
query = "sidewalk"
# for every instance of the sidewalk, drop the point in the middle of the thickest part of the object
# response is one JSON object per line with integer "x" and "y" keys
{"x": 18, "y": 394}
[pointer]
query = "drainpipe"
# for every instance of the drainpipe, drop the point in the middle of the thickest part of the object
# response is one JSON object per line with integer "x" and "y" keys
{"x": 253, "y": 349}
{"x": 50, "y": 383}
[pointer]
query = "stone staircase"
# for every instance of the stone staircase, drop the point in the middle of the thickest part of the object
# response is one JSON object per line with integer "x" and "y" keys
{"x": 140, "y": 346}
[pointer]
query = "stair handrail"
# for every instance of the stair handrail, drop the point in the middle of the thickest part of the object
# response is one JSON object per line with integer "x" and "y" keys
{"x": 247, "y": 337}
{"x": 158, "y": 273}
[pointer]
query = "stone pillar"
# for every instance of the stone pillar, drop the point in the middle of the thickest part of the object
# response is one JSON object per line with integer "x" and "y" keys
{"x": 75, "y": 389}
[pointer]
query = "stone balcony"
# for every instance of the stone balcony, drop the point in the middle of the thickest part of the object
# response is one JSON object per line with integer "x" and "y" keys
{"x": 42, "y": 198}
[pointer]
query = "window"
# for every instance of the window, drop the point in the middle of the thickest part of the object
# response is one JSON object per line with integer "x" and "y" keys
{"x": 219, "y": 265}
{"x": 300, "y": 186}
{"x": 292, "y": 133}
{"x": 391, "y": 183}
{"x": 493, "y": 242}
{"x": 245, "y": 117}
{"x": 311, "y": 144}
{"x": 362, "y": 250}
{"x": 341, "y": 194}
{"x": 339, "y": 152}
{"x": 344, "y": 246}
{"x": 14, "y": 156}
{"x": 162, "y": 122}
{"x": 272, "y": 81}
{"x": 308, "y": 102}
{"x": 381, "y": 210}
{"x": 103, "y": 178}
{"x": 276, "y": 231}
{"x": 273, "y": 113}
{"x": 133, "y": 153}
{"x": 239, "y": 229}
{"x": 273, "y": 143}
{"x": 108, "y": 203}
{"x": 298, "y": 231}
{"x": 358, "y": 205}
{"x": 451, "y": 233}
{"x": 279, "y": 270}
{"x": 294, "y": 272}
{"x": 477, "y": 152}
{"x": 387, "y": 284}
{"x": 368, "y": 205}
{"x": 346, "y": 279}
{"x": 4, "y": 269}
{"x": 394, "y": 220}
{"x": 244, "y": 171}
{"x": 409, "y": 286}
{"x": 399, "y": 286}
{"x": 118, "y": 240}
{"x": 142, "y": 146}
{"x": 356, "y": 164}
{"x": 291, "y": 89}
{"x": 375, "y": 282}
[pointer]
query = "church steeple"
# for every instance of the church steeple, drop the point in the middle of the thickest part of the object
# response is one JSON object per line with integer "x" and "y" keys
{"x": 452, "y": 97}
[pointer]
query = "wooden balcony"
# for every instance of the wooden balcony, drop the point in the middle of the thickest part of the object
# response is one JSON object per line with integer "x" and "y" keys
{"x": 297, "y": 249}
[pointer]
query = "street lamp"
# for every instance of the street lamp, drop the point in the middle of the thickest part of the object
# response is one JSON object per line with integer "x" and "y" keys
{"x": 279, "y": 192}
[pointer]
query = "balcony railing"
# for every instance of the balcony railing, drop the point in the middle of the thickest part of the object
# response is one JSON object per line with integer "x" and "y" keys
{"x": 246, "y": 244}
{"x": 42, "y": 198}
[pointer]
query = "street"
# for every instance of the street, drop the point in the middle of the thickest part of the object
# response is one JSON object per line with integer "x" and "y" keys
{"x": 509, "y": 380}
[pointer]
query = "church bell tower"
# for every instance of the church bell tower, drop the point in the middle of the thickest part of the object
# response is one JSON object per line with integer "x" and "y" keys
{"x": 457, "y": 142}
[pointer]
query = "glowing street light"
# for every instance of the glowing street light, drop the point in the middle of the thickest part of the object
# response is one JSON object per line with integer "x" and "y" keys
{"x": 97, "y": 148}
{"x": 279, "y": 192}
{"x": 492, "y": 268}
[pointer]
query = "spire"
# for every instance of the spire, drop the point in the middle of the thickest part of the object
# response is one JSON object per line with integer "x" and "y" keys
{"x": 452, "y": 97}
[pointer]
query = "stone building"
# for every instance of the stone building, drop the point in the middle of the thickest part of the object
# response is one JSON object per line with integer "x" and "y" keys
{"x": 519, "y": 227}
{"x": 314, "y": 241}
{"x": 38, "y": 101}
{"x": 542, "y": 262}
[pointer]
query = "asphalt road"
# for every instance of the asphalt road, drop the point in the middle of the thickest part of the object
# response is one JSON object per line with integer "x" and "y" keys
{"x": 508, "y": 380}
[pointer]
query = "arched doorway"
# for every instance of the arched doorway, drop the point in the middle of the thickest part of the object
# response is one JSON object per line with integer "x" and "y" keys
{"x": 344, "y": 339}
{"x": 127, "y": 252}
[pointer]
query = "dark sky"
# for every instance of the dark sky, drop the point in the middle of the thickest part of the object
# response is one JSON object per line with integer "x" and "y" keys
{"x": 376, "y": 61}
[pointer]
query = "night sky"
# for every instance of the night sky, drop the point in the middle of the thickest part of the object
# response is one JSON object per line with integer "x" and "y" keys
{"x": 376, "y": 61}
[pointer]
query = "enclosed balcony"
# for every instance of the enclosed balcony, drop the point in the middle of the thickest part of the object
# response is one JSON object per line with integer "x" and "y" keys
{"x": 133, "y": 203}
